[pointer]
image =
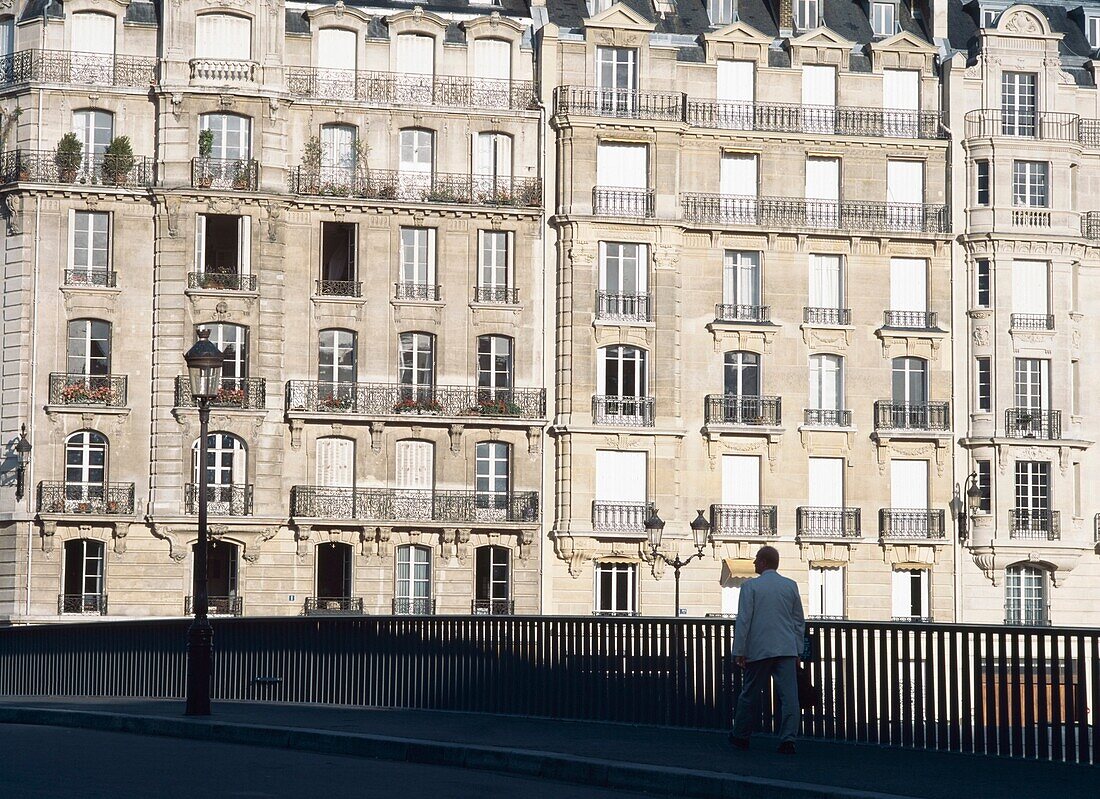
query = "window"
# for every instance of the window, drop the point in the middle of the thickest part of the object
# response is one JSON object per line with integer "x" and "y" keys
{"x": 415, "y": 167}
{"x": 826, "y": 489}
{"x": 882, "y": 19}
{"x": 416, "y": 365}
{"x": 223, "y": 245}
{"x": 827, "y": 592}
{"x": 741, "y": 278}
{"x": 492, "y": 589}
{"x": 621, "y": 384}
{"x": 1032, "y": 384}
{"x": 1033, "y": 499}
{"x": 1075, "y": 387}
{"x": 720, "y": 11}
{"x": 85, "y": 469}
{"x": 95, "y": 129}
{"x": 1018, "y": 103}
{"x": 7, "y": 36}
{"x": 492, "y": 161}
{"x": 1092, "y": 31}
{"x": 910, "y": 381}
{"x": 900, "y": 99}
{"x": 91, "y": 247}
{"x": 1029, "y": 184}
{"x": 623, "y": 282}
{"x": 616, "y": 71}
{"x": 225, "y": 468}
{"x": 89, "y": 347}
{"x": 413, "y": 580}
{"x": 494, "y": 365}
{"x": 414, "y": 60}
{"x": 989, "y": 17}
{"x": 232, "y": 135}
{"x": 93, "y": 46}
{"x": 336, "y": 367}
{"x": 1030, "y": 286}
{"x": 338, "y": 153}
{"x": 910, "y": 595}
{"x": 492, "y": 60}
{"x": 597, "y": 6}
{"x": 492, "y": 479}
{"x": 615, "y": 589}
{"x": 822, "y": 192}
{"x": 826, "y": 283}
{"x": 232, "y": 340}
{"x": 223, "y": 36}
{"x": 414, "y": 478}
{"x": 904, "y": 194}
{"x": 737, "y": 183}
{"x": 806, "y": 15}
{"x": 336, "y": 52}
{"x": 742, "y": 374}
{"x": 981, "y": 179}
{"x": 983, "y": 288}
{"x": 418, "y": 264}
{"x": 741, "y": 488}
{"x": 334, "y": 466}
{"x": 338, "y": 262}
{"x": 818, "y": 111}
{"x": 908, "y": 293}
{"x": 983, "y": 401}
{"x": 494, "y": 270}
{"x": 83, "y": 585}
{"x": 621, "y": 479}
{"x": 984, "y": 481}
{"x": 334, "y": 575}
{"x": 621, "y": 166}
{"x": 1026, "y": 595}
{"x": 735, "y": 94}
{"x": 826, "y": 382}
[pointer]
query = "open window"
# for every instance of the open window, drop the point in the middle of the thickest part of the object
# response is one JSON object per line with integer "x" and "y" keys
{"x": 492, "y": 583}
{"x": 223, "y": 252}
{"x": 83, "y": 578}
{"x": 339, "y": 277}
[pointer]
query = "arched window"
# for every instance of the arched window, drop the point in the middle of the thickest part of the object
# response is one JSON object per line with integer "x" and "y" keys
{"x": 93, "y": 33}
{"x": 85, "y": 470}
{"x": 89, "y": 347}
{"x": 414, "y": 60}
{"x": 1026, "y": 595}
{"x": 337, "y": 60}
{"x": 336, "y": 368}
{"x": 335, "y": 466}
{"x": 338, "y": 152}
{"x": 492, "y": 479}
{"x": 7, "y": 36}
{"x": 416, "y": 165}
{"x": 494, "y": 366}
{"x": 83, "y": 577}
{"x": 492, "y": 60}
{"x": 413, "y": 581}
{"x": 232, "y": 340}
{"x": 492, "y": 580}
{"x": 232, "y": 136}
{"x": 224, "y": 37}
{"x": 742, "y": 374}
{"x": 826, "y": 382}
{"x": 416, "y": 364}
{"x": 95, "y": 129}
{"x": 622, "y": 372}
{"x": 910, "y": 381}
{"x": 224, "y": 478}
{"x": 221, "y": 579}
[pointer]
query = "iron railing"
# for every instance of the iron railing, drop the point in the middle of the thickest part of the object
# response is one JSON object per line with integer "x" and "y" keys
{"x": 622, "y": 103}
{"x": 429, "y": 292}
{"x": 906, "y": 523}
{"x": 339, "y": 288}
{"x": 97, "y": 499}
{"x": 95, "y": 604}
{"x": 1031, "y": 321}
{"x": 624, "y": 307}
{"x": 77, "y": 68}
{"x": 245, "y": 393}
{"x": 388, "y": 399}
{"x": 1025, "y": 523}
{"x": 916, "y": 320}
{"x": 400, "y": 89}
{"x": 97, "y": 278}
{"x": 239, "y": 174}
{"x": 620, "y": 516}
{"x": 924, "y": 416}
{"x": 626, "y": 202}
{"x": 106, "y": 391}
{"x": 221, "y": 500}
{"x": 626, "y": 411}
{"x": 333, "y": 605}
{"x": 816, "y": 119}
{"x": 828, "y": 417}
{"x": 221, "y": 281}
{"x": 493, "y": 607}
{"x": 217, "y": 606}
{"x": 997, "y": 690}
{"x": 1088, "y": 132}
{"x": 410, "y": 504}
{"x": 828, "y": 522}
{"x": 731, "y": 312}
{"x": 441, "y": 188}
{"x": 501, "y": 295}
{"x": 1033, "y": 423}
{"x": 413, "y": 606}
{"x": 798, "y": 212}
{"x": 826, "y": 316}
{"x": 50, "y": 166}
{"x": 743, "y": 409}
{"x": 743, "y": 520}
{"x": 1090, "y": 224}
{"x": 1044, "y": 125}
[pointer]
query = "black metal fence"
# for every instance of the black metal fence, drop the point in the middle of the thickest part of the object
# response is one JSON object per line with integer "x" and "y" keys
{"x": 743, "y": 520}
{"x": 50, "y": 166}
{"x": 107, "y": 391}
{"x": 621, "y": 410}
{"x": 918, "y": 320}
{"x": 828, "y": 522}
{"x": 221, "y": 281}
{"x": 911, "y": 523}
{"x": 1033, "y": 423}
{"x": 217, "y": 605}
{"x": 620, "y": 201}
{"x": 813, "y": 315}
{"x": 387, "y": 399}
{"x": 417, "y": 187}
{"x": 1029, "y": 523}
{"x": 828, "y": 417}
{"x": 82, "y": 69}
{"x": 931, "y": 416}
{"x": 743, "y": 409}
{"x": 221, "y": 500}
{"x": 95, "y": 499}
{"x": 798, "y": 212}
{"x": 633, "y": 306}
{"x": 733, "y": 312}
{"x": 1031, "y": 321}
{"x": 246, "y": 393}
{"x": 1018, "y": 691}
{"x": 239, "y": 174}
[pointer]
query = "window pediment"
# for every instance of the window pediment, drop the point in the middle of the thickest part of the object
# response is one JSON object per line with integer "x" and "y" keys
{"x": 903, "y": 51}
{"x": 338, "y": 16}
{"x": 493, "y": 26}
{"x": 739, "y": 41}
{"x": 417, "y": 21}
{"x": 620, "y": 17}
{"x": 820, "y": 46}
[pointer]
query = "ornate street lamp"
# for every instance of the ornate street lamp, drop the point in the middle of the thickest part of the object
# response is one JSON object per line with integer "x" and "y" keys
{"x": 23, "y": 453}
{"x": 204, "y": 368}
{"x": 968, "y": 509}
{"x": 700, "y": 533}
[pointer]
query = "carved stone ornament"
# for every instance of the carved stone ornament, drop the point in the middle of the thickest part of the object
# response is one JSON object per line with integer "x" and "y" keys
{"x": 252, "y": 553}
{"x": 981, "y": 336}
{"x": 1023, "y": 22}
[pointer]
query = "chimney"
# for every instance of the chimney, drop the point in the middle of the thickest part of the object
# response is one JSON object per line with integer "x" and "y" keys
{"x": 785, "y": 17}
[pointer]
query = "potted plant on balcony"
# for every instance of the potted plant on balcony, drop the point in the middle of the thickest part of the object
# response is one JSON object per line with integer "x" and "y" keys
{"x": 227, "y": 395}
{"x": 67, "y": 157}
{"x": 309, "y": 172}
{"x": 417, "y": 405}
{"x": 336, "y": 402}
{"x": 206, "y": 148}
{"x": 118, "y": 160}
{"x": 242, "y": 174}
{"x": 499, "y": 406}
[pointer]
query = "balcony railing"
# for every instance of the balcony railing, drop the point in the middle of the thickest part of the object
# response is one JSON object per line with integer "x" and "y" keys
{"x": 620, "y": 516}
{"x": 223, "y": 70}
{"x": 94, "y": 604}
{"x": 97, "y": 278}
{"x": 1090, "y": 224}
{"x": 239, "y": 174}
{"x": 743, "y": 409}
{"x": 743, "y": 520}
{"x": 1046, "y": 125}
{"x": 622, "y": 103}
{"x": 797, "y": 212}
{"x": 906, "y": 523}
{"x": 493, "y": 607}
{"x": 913, "y": 320}
{"x": 826, "y": 316}
{"x": 1033, "y": 423}
{"x": 339, "y": 288}
{"x": 413, "y": 606}
{"x": 828, "y": 522}
{"x": 77, "y": 68}
{"x": 390, "y": 399}
{"x": 105, "y": 391}
{"x": 417, "y": 187}
{"x": 627, "y": 411}
{"x": 333, "y": 605}
{"x": 221, "y": 500}
{"x": 1032, "y": 321}
{"x": 729, "y": 312}
{"x": 828, "y": 417}
{"x": 49, "y": 166}
{"x": 245, "y": 393}
{"x": 399, "y": 504}
{"x": 625, "y": 202}
{"x": 816, "y": 119}
{"x": 624, "y": 307}
{"x": 923, "y": 416}
{"x": 499, "y": 295}
{"x": 216, "y": 606}
{"x": 428, "y": 292}
{"x": 98, "y": 499}
{"x": 1043, "y": 525}
{"x": 401, "y": 89}
{"x": 1031, "y": 217}
{"x": 221, "y": 281}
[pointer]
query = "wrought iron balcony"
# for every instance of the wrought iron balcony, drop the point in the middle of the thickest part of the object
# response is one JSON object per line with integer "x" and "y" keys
{"x": 77, "y": 68}
{"x": 221, "y": 281}
{"x": 216, "y": 606}
{"x": 339, "y": 288}
{"x": 239, "y": 174}
{"x": 1044, "y": 125}
{"x": 913, "y": 320}
{"x": 743, "y": 409}
{"x": 97, "y": 278}
{"x": 97, "y": 499}
{"x": 828, "y": 522}
{"x": 626, "y": 411}
{"x": 499, "y": 295}
{"x": 1088, "y": 132}
{"x": 413, "y": 606}
{"x": 400, "y": 504}
{"x": 223, "y": 70}
{"x": 50, "y": 166}
{"x": 392, "y": 399}
{"x": 728, "y": 312}
{"x": 493, "y": 607}
{"x": 417, "y": 187}
{"x": 1043, "y": 525}
{"x": 94, "y": 604}
{"x": 816, "y": 119}
{"x": 826, "y": 316}
{"x": 245, "y": 393}
{"x": 105, "y": 391}
{"x": 621, "y": 103}
{"x": 1035, "y": 614}
{"x": 617, "y": 613}
{"x": 797, "y": 212}
{"x": 398, "y": 89}
{"x": 1090, "y": 223}
{"x": 1033, "y": 423}
{"x": 625, "y": 517}
{"x": 743, "y": 520}
{"x": 828, "y": 417}
{"x": 910, "y": 523}
{"x": 625, "y": 202}
{"x": 1032, "y": 321}
{"x": 624, "y": 307}
{"x": 416, "y": 291}
{"x": 333, "y": 605}
{"x": 922, "y": 416}
{"x": 221, "y": 500}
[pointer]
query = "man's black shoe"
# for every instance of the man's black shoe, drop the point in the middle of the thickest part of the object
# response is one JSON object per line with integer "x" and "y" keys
{"x": 739, "y": 743}
{"x": 786, "y": 748}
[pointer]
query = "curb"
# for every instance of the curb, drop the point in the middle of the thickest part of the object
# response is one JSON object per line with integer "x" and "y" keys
{"x": 592, "y": 772}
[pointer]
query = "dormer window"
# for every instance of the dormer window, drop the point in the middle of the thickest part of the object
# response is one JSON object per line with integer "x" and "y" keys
{"x": 807, "y": 14}
{"x": 990, "y": 16}
{"x": 598, "y": 7}
{"x": 1092, "y": 31}
{"x": 882, "y": 19}
{"x": 720, "y": 11}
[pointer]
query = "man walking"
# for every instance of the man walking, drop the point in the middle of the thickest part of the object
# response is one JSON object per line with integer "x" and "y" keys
{"x": 766, "y": 644}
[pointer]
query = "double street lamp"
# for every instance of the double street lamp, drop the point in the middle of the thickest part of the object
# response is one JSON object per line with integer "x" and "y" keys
{"x": 700, "y": 533}
{"x": 204, "y": 369}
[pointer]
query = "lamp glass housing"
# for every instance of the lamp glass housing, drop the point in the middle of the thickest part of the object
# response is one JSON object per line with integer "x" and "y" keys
{"x": 204, "y": 367}
{"x": 700, "y": 530}
{"x": 973, "y": 498}
{"x": 654, "y": 529}
{"x": 23, "y": 448}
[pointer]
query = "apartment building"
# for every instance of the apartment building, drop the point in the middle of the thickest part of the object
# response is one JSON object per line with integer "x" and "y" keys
{"x": 348, "y": 198}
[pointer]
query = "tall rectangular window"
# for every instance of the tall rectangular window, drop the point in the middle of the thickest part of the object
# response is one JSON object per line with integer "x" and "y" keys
{"x": 1025, "y": 595}
{"x": 983, "y": 401}
{"x": 826, "y": 282}
{"x": 1032, "y": 378}
{"x": 741, "y": 278}
{"x": 1018, "y": 103}
{"x": 911, "y": 600}
{"x": 983, "y": 473}
{"x": 90, "y": 243}
{"x": 1092, "y": 31}
{"x": 1029, "y": 184}
{"x": 1075, "y": 387}
{"x": 616, "y": 589}
{"x": 622, "y": 165}
{"x": 494, "y": 265}
{"x": 827, "y": 592}
{"x": 720, "y": 12}
{"x": 981, "y": 180}
{"x": 1033, "y": 488}
{"x": 983, "y": 283}
{"x": 1030, "y": 281}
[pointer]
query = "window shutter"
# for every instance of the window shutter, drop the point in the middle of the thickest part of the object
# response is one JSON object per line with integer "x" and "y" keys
{"x": 740, "y": 479}
{"x": 1029, "y": 287}
{"x": 908, "y": 284}
{"x": 735, "y": 81}
{"x": 738, "y": 175}
{"x": 900, "y": 90}
{"x": 901, "y": 593}
{"x": 909, "y": 484}
{"x": 200, "y": 243}
{"x": 492, "y": 59}
{"x": 818, "y": 85}
{"x": 430, "y": 239}
{"x": 822, "y": 178}
{"x": 336, "y": 49}
{"x": 620, "y": 476}
{"x": 335, "y": 462}
{"x": 93, "y": 33}
{"x": 244, "y": 244}
{"x": 817, "y": 591}
{"x": 239, "y": 471}
{"x": 641, "y": 274}
{"x": 834, "y": 591}
{"x": 414, "y": 465}
{"x": 825, "y": 281}
{"x": 415, "y": 54}
{"x": 826, "y": 477}
{"x": 905, "y": 182}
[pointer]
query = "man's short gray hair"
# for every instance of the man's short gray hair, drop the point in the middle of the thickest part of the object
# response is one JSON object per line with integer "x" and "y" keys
{"x": 769, "y": 557}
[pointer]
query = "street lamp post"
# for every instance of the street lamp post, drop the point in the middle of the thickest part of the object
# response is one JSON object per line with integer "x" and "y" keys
{"x": 204, "y": 369}
{"x": 973, "y": 493}
{"x": 700, "y": 532}
{"x": 23, "y": 454}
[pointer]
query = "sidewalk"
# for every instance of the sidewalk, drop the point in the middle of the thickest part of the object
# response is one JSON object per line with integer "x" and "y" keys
{"x": 668, "y": 762}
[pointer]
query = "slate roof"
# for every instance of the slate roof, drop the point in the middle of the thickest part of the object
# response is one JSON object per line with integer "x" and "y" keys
{"x": 142, "y": 12}
{"x": 507, "y": 8}
{"x": 35, "y": 8}
{"x": 963, "y": 26}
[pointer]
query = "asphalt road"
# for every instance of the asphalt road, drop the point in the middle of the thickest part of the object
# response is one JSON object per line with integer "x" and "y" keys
{"x": 59, "y": 763}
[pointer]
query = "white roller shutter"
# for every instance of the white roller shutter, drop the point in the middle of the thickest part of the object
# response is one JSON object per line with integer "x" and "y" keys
{"x": 908, "y": 284}
{"x": 93, "y": 33}
{"x": 1029, "y": 287}
{"x": 904, "y": 583}
{"x": 905, "y": 182}
{"x": 827, "y": 591}
{"x": 620, "y": 476}
{"x": 414, "y": 464}
{"x": 822, "y": 178}
{"x": 200, "y": 243}
{"x": 826, "y": 477}
{"x": 909, "y": 484}
{"x": 621, "y": 165}
{"x": 901, "y": 89}
{"x": 335, "y": 462}
{"x": 736, "y": 94}
{"x": 740, "y": 480}
{"x": 492, "y": 59}
{"x": 738, "y": 174}
{"x": 415, "y": 54}
{"x": 818, "y": 85}
{"x": 336, "y": 49}
{"x": 223, "y": 36}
